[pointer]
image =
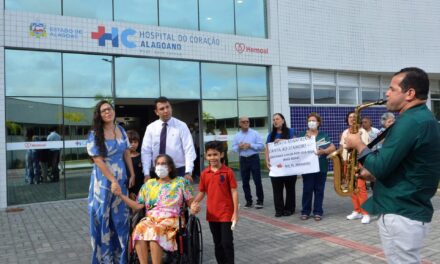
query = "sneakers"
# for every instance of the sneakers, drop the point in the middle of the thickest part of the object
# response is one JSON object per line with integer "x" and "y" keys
{"x": 365, "y": 219}
{"x": 259, "y": 205}
{"x": 248, "y": 205}
{"x": 354, "y": 215}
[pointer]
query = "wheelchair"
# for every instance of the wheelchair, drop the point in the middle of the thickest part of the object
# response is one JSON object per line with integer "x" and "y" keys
{"x": 189, "y": 240}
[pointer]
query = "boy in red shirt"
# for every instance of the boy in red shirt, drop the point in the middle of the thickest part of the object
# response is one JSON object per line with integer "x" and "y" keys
{"x": 218, "y": 182}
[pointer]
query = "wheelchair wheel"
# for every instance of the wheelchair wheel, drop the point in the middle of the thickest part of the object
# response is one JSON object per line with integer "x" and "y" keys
{"x": 135, "y": 218}
{"x": 194, "y": 241}
{"x": 133, "y": 258}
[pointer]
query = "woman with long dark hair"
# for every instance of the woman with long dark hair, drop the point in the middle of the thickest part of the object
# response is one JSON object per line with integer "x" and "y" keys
{"x": 286, "y": 207}
{"x": 108, "y": 146}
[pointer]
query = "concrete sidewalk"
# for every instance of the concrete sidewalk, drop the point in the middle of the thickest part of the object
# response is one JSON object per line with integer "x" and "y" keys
{"x": 57, "y": 232}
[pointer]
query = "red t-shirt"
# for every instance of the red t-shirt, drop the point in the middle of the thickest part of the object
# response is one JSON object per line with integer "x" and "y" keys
{"x": 217, "y": 186}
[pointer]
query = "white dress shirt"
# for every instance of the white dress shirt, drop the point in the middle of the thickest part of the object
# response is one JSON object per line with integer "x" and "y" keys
{"x": 179, "y": 145}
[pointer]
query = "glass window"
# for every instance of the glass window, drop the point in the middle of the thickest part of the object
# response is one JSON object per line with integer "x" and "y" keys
{"x": 178, "y": 14}
{"x": 29, "y": 154}
{"x": 436, "y": 109}
{"x": 214, "y": 112}
{"x": 299, "y": 93}
{"x": 219, "y": 81}
{"x": 250, "y": 18}
{"x": 370, "y": 95}
{"x": 252, "y": 82}
{"x": 435, "y": 89}
{"x": 33, "y": 73}
{"x": 220, "y": 119}
{"x": 253, "y": 109}
{"x": 41, "y": 6}
{"x": 137, "y": 78}
{"x": 98, "y": 9}
{"x": 348, "y": 95}
{"x": 179, "y": 79}
{"x": 384, "y": 84}
{"x": 136, "y": 11}
{"x": 78, "y": 115}
{"x": 87, "y": 75}
{"x": 216, "y": 16}
{"x": 324, "y": 94}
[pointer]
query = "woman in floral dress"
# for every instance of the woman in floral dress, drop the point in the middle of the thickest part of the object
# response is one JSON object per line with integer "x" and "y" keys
{"x": 162, "y": 198}
{"x": 108, "y": 146}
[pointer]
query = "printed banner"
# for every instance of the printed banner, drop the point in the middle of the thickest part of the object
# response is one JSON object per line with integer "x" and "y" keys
{"x": 293, "y": 157}
{"x": 46, "y": 144}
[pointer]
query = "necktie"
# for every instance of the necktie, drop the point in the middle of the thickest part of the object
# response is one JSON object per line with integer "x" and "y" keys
{"x": 163, "y": 139}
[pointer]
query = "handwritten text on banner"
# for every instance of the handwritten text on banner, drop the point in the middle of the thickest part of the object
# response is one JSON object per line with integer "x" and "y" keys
{"x": 293, "y": 157}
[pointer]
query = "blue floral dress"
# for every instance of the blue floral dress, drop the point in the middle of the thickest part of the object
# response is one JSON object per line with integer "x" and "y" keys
{"x": 109, "y": 215}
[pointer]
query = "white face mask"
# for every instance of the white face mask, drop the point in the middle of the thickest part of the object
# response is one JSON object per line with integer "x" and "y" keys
{"x": 161, "y": 171}
{"x": 312, "y": 125}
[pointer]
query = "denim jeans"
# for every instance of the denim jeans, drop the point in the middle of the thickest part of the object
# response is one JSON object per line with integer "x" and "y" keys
{"x": 313, "y": 185}
{"x": 250, "y": 165}
{"x": 29, "y": 174}
{"x": 54, "y": 161}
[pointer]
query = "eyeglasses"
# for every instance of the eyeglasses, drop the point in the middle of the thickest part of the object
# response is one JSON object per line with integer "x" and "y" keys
{"x": 108, "y": 109}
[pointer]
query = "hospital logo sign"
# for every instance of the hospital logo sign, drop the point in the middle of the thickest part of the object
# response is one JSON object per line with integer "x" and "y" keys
{"x": 113, "y": 37}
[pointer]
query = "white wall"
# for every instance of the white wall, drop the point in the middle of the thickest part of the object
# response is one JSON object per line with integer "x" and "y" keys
{"x": 373, "y": 35}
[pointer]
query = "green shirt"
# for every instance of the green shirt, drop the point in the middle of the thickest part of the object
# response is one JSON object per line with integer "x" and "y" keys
{"x": 322, "y": 142}
{"x": 407, "y": 167}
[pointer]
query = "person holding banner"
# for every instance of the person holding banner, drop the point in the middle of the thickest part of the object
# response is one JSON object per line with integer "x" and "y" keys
{"x": 360, "y": 197}
{"x": 286, "y": 207}
{"x": 314, "y": 183}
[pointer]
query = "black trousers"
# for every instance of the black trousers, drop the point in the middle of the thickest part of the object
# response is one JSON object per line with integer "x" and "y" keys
{"x": 54, "y": 161}
{"x": 223, "y": 242}
{"x": 278, "y": 186}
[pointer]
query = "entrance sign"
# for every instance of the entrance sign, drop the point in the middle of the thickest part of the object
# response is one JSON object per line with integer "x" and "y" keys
{"x": 293, "y": 157}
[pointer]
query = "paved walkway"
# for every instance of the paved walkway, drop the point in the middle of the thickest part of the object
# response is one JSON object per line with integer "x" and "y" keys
{"x": 57, "y": 232}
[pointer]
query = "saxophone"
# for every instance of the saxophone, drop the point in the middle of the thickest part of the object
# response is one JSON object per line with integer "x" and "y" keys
{"x": 344, "y": 172}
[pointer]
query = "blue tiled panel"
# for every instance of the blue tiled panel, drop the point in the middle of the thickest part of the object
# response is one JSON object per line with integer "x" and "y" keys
{"x": 333, "y": 119}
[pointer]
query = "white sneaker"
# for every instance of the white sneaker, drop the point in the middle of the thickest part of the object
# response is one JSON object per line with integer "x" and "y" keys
{"x": 365, "y": 219}
{"x": 354, "y": 215}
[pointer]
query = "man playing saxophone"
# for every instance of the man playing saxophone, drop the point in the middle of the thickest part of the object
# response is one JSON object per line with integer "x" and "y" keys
{"x": 406, "y": 168}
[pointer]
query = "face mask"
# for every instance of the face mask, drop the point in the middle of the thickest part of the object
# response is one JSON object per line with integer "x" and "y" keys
{"x": 161, "y": 171}
{"x": 312, "y": 125}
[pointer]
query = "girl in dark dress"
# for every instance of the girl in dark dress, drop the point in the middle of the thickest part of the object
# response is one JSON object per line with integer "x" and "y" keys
{"x": 134, "y": 139}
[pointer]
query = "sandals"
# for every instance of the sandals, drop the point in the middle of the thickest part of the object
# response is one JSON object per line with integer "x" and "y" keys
{"x": 304, "y": 217}
{"x": 318, "y": 217}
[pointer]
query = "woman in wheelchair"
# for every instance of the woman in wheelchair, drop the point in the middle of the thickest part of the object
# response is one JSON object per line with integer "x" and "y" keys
{"x": 162, "y": 199}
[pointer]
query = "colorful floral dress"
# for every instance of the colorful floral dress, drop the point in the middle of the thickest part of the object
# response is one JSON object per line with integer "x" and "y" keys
{"x": 162, "y": 202}
{"x": 109, "y": 216}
